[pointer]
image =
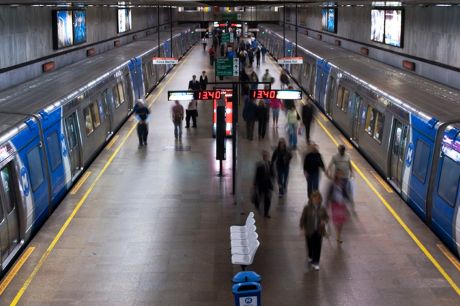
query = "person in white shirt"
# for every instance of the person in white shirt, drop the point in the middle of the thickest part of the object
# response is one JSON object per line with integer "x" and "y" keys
{"x": 192, "y": 112}
{"x": 341, "y": 162}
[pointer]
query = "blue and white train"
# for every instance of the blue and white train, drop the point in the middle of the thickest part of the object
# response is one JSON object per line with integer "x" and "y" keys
{"x": 408, "y": 127}
{"x": 52, "y": 127}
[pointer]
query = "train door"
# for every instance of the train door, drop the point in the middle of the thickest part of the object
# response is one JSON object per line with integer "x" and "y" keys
{"x": 106, "y": 105}
{"x": 9, "y": 199}
{"x": 356, "y": 103}
{"x": 330, "y": 95}
{"x": 135, "y": 69}
{"x": 397, "y": 153}
{"x": 4, "y": 246}
{"x": 72, "y": 133}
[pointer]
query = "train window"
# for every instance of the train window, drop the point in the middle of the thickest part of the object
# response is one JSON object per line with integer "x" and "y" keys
{"x": 370, "y": 120}
{"x": 116, "y": 98}
{"x": 7, "y": 180}
{"x": 378, "y": 131}
{"x": 422, "y": 156}
{"x": 54, "y": 150}
{"x": 95, "y": 115}
{"x": 88, "y": 121}
{"x": 448, "y": 181}
{"x": 343, "y": 96}
{"x": 35, "y": 168}
{"x": 100, "y": 104}
{"x": 121, "y": 92}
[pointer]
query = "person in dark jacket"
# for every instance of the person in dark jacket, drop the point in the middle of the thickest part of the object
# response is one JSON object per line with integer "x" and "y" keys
{"x": 288, "y": 103}
{"x": 142, "y": 112}
{"x": 284, "y": 79}
{"x": 203, "y": 80}
{"x": 263, "y": 185}
{"x": 312, "y": 164}
{"x": 313, "y": 224}
{"x": 251, "y": 56}
{"x": 258, "y": 57}
{"x": 262, "y": 118}
{"x": 308, "y": 112}
{"x": 193, "y": 84}
{"x": 281, "y": 159}
{"x": 249, "y": 115}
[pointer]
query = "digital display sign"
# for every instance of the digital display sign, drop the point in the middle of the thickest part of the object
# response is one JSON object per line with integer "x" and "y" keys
{"x": 275, "y": 94}
{"x": 209, "y": 95}
{"x": 188, "y": 95}
{"x": 178, "y": 95}
{"x": 227, "y": 94}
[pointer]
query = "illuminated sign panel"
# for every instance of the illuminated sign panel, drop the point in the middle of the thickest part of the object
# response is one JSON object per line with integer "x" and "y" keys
{"x": 275, "y": 94}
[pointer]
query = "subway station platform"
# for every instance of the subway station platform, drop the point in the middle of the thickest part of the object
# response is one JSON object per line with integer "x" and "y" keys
{"x": 150, "y": 226}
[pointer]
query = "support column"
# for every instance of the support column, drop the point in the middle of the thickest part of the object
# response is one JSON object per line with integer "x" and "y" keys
{"x": 296, "y": 29}
{"x": 284, "y": 29}
{"x": 171, "y": 31}
{"x": 158, "y": 28}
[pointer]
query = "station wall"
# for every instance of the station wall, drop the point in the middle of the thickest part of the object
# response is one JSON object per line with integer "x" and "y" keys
{"x": 26, "y": 38}
{"x": 431, "y": 37}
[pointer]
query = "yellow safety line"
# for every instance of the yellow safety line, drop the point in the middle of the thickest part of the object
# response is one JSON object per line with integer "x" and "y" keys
{"x": 112, "y": 142}
{"x": 323, "y": 117}
{"x": 17, "y": 266}
{"x": 449, "y": 256}
{"x": 80, "y": 182}
{"x": 345, "y": 141}
{"x": 382, "y": 182}
{"x": 399, "y": 220}
{"x": 50, "y": 248}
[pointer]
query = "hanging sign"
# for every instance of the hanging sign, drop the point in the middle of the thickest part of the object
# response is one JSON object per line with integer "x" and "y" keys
{"x": 290, "y": 60}
{"x": 164, "y": 61}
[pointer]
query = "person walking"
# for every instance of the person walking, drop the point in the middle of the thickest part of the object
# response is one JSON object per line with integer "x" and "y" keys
{"x": 341, "y": 161}
{"x": 312, "y": 164}
{"x": 292, "y": 123}
{"x": 212, "y": 54}
{"x": 289, "y": 103}
{"x": 251, "y": 56}
{"x": 177, "y": 116}
{"x": 263, "y": 51}
{"x": 275, "y": 105}
{"x": 262, "y": 118}
{"x": 204, "y": 42}
{"x": 254, "y": 79}
{"x": 313, "y": 224}
{"x": 258, "y": 57}
{"x": 281, "y": 158}
{"x": 336, "y": 200}
{"x": 249, "y": 115}
{"x": 267, "y": 77}
{"x": 142, "y": 112}
{"x": 203, "y": 80}
{"x": 263, "y": 184}
{"x": 191, "y": 112}
{"x": 284, "y": 79}
{"x": 308, "y": 112}
{"x": 193, "y": 84}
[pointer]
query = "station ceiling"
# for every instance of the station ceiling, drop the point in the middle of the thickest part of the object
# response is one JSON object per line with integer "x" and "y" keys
{"x": 216, "y": 2}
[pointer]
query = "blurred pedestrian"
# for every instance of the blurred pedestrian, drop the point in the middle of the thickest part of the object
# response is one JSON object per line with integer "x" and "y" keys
{"x": 313, "y": 224}
{"x": 341, "y": 161}
{"x": 308, "y": 112}
{"x": 203, "y": 80}
{"x": 254, "y": 79}
{"x": 263, "y": 51}
{"x": 292, "y": 120}
{"x": 267, "y": 77}
{"x": 142, "y": 112}
{"x": 249, "y": 115}
{"x": 336, "y": 200}
{"x": 263, "y": 184}
{"x": 275, "y": 105}
{"x": 262, "y": 118}
{"x": 177, "y": 116}
{"x": 191, "y": 112}
{"x": 212, "y": 54}
{"x": 281, "y": 159}
{"x": 258, "y": 57}
{"x": 251, "y": 56}
{"x": 312, "y": 164}
{"x": 284, "y": 79}
{"x": 289, "y": 103}
{"x": 204, "y": 42}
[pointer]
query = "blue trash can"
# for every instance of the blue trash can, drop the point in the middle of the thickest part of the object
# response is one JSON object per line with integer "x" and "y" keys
{"x": 247, "y": 294}
{"x": 246, "y": 276}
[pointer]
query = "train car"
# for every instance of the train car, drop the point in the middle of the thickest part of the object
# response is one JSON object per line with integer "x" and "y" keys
{"x": 405, "y": 125}
{"x": 53, "y": 127}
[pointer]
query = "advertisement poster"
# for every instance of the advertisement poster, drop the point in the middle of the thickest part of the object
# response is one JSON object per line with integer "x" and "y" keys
{"x": 124, "y": 20}
{"x": 79, "y": 27}
{"x": 331, "y": 20}
{"x": 377, "y": 25}
{"x": 393, "y": 26}
{"x": 64, "y": 29}
{"x": 324, "y": 19}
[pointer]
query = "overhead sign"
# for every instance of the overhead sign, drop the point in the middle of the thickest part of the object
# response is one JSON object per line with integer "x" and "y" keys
{"x": 290, "y": 60}
{"x": 201, "y": 30}
{"x": 164, "y": 61}
{"x": 210, "y": 94}
{"x": 225, "y": 37}
{"x": 181, "y": 95}
{"x": 253, "y": 30}
{"x": 227, "y": 66}
{"x": 273, "y": 93}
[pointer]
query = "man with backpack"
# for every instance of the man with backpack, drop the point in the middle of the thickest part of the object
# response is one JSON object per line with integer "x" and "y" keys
{"x": 142, "y": 112}
{"x": 177, "y": 116}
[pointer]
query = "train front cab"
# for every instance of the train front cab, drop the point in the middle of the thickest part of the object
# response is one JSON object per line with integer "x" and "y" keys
{"x": 446, "y": 199}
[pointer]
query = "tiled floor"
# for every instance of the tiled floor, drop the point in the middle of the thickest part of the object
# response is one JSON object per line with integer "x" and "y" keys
{"x": 154, "y": 229}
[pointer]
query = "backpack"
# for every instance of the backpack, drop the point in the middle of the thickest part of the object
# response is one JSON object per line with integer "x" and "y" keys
{"x": 178, "y": 114}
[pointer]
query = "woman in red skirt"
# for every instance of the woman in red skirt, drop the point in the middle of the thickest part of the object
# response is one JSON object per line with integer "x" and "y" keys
{"x": 336, "y": 200}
